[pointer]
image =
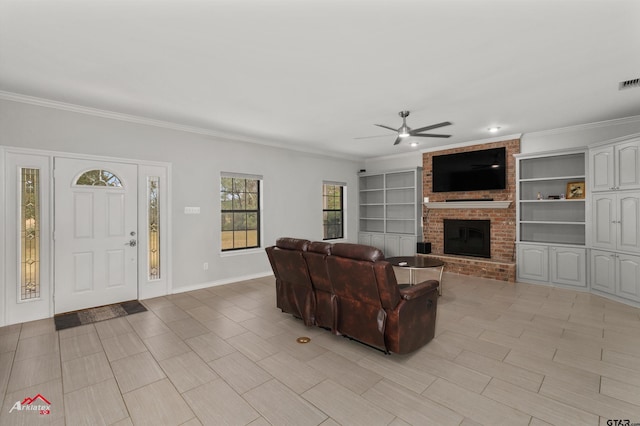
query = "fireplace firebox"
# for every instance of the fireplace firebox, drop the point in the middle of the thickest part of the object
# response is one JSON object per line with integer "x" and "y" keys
{"x": 467, "y": 237}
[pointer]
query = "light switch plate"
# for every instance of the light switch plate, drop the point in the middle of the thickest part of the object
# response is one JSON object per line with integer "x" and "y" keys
{"x": 192, "y": 210}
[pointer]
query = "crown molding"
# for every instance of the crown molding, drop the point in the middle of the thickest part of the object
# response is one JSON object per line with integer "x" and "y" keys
{"x": 587, "y": 126}
{"x": 47, "y": 103}
{"x": 64, "y": 106}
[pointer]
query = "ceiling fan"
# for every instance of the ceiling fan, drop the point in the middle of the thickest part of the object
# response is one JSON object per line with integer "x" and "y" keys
{"x": 405, "y": 131}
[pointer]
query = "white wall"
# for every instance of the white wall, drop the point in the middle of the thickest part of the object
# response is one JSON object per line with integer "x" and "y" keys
{"x": 292, "y": 182}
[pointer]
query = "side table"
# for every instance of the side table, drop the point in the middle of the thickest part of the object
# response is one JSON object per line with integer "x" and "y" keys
{"x": 413, "y": 263}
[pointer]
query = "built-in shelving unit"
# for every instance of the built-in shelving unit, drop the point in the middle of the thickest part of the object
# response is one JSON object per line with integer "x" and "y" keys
{"x": 372, "y": 203}
{"x": 551, "y": 228}
{"x": 544, "y": 220}
{"x": 390, "y": 211}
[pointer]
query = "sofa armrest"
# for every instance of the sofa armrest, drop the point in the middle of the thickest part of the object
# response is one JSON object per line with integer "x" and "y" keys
{"x": 415, "y": 291}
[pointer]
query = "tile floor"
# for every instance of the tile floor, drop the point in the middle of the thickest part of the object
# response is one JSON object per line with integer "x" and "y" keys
{"x": 503, "y": 354}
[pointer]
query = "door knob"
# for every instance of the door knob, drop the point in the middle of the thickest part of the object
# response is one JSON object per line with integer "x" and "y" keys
{"x": 131, "y": 243}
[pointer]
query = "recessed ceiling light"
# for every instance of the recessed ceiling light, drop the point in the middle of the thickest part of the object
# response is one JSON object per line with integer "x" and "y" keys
{"x": 414, "y": 144}
{"x": 493, "y": 129}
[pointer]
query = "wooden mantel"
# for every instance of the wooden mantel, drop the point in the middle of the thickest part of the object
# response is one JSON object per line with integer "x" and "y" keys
{"x": 468, "y": 205}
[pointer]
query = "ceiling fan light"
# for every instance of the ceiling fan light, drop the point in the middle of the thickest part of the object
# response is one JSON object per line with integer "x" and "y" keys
{"x": 403, "y": 132}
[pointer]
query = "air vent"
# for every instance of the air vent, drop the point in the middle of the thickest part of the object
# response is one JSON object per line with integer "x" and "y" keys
{"x": 629, "y": 84}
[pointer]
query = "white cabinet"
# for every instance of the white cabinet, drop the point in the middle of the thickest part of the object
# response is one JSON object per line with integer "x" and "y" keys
{"x": 601, "y": 165}
{"x": 615, "y": 167}
{"x": 616, "y": 273}
{"x": 390, "y": 209}
{"x": 533, "y": 262}
{"x": 399, "y": 245}
{"x": 552, "y": 264}
{"x": 390, "y": 244}
{"x": 603, "y": 271}
{"x": 568, "y": 266}
{"x": 628, "y": 279}
{"x": 615, "y": 218}
{"x": 616, "y": 221}
{"x": 603, "y": 224}
{"x": 371, "y": 239}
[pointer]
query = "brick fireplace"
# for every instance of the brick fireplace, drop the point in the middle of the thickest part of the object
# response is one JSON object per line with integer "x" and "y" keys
{"x": 501, "y": 264}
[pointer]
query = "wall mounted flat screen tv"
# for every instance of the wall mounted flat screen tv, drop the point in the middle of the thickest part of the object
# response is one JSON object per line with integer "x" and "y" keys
{"x": 470, "y": 171}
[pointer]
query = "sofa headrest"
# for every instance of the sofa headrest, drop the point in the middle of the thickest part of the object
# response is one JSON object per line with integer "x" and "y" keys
{"x": 320, "y": 247}
{"x": 292, "y": 243}
{"x": 357, "y": 251}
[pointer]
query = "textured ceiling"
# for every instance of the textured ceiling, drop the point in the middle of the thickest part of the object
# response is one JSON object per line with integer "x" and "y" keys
{"x": 317, "y": 74}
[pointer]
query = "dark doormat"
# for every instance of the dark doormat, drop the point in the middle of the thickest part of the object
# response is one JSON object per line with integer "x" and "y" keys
{"x": 101, "y": 313}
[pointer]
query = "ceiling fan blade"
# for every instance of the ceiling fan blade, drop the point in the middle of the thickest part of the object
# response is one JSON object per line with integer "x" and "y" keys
{"x": 431, "y": 135}
{"x": 433, "y": 126}
{"x": 386, "y": 127}
{"x": 398, "y": 140}
{"x": 371, "y": 137}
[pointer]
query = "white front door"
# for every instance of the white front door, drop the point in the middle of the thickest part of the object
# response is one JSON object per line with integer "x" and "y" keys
{"x": 95, "y": 233}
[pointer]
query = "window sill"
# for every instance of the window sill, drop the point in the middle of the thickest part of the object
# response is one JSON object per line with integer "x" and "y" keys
{"x": 241, "y": 252}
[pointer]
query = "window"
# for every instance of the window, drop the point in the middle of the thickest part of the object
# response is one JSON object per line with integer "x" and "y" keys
{"x": 153, "y": 221}
{"x": 99, "y": 178}
{"x": 30, "y": 234}
{"x": 240, "y": 211}
{"x": 332, "y": 210}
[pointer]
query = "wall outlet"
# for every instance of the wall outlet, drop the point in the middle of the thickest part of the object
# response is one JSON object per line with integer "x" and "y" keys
{"x": 205, "y": 266}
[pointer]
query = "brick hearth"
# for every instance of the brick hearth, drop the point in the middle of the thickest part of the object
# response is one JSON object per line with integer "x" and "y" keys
{"x": 501, "y": 266}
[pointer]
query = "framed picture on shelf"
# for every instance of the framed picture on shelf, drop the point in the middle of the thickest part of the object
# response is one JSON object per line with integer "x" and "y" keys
{"x": 575, "y": 190}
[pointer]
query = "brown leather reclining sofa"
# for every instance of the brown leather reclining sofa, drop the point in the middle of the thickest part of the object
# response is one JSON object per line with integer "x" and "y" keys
{"x": 351, "y": 290}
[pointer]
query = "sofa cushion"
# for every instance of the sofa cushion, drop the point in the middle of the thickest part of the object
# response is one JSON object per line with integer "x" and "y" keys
{"x": 316, "y": 263}
{"x": 320, "y": 247}
{"x": 357, "y": 252}
{"x": 292, "y": 243}
{"x": 294, "y": 291}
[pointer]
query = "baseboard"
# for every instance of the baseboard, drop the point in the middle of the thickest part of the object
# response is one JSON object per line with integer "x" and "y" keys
{"x": 220, "y": 282}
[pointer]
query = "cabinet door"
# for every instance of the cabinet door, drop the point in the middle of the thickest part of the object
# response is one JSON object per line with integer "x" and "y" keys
{"x": 391, "y": 245}
{"x": 628, "y": 222}
{"x": 604, "y": 225}
{"x": 601, "y": 161}
{"x": 603, "y": 271}
{"x": 568, "y": 266}
{"x": 364, "y": 238}
{"x": 628, "y": 277}
{"x": 628, "y": 165}
{"x": 408, "y": 245}
{"x": 377, "y": 241}
{"x": 533, "y": 262}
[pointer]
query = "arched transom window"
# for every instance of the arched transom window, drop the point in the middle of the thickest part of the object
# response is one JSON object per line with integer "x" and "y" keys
{"x": 99, "y": 178}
